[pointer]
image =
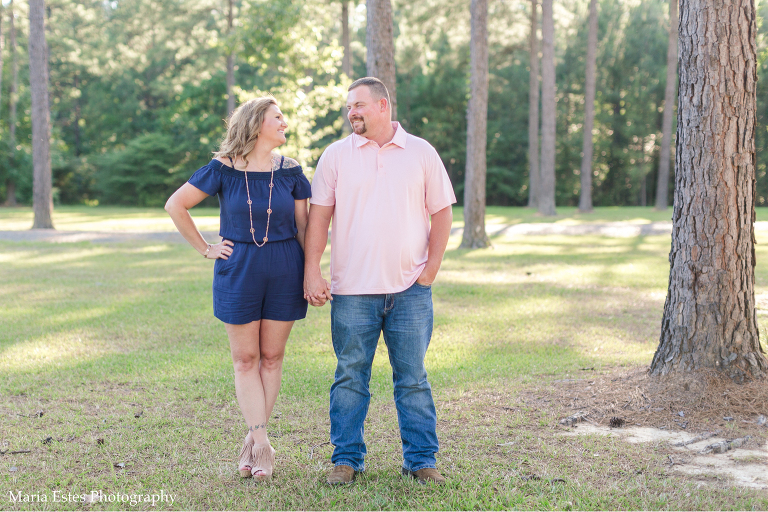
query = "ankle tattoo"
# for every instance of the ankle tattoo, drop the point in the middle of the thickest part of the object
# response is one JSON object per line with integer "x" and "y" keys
{"x": 257, "y": 427}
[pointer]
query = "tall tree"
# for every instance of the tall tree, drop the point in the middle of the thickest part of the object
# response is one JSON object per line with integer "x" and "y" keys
{"x": 585, "y": 198}
{"x": 2, "y": 47}
{"x": 230, "y": 59}
{"x": 709, "y": 316}
{"x": 669, "y": 106}
{"x": 13, "y": 97}
{"x": 380, "y": 46}
{"x": 533, "y": 111}
{"x": 346, "y": 60}
{"x": 546, "y": 201}
{"x": 41, "y": 117}
{"x": 477, "y": 125}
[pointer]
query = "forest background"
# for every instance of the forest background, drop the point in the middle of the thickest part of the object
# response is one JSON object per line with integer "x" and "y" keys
{"x": 138, "y": 91}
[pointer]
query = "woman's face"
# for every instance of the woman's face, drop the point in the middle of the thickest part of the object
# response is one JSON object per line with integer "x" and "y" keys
{"x": 274, "y": 126}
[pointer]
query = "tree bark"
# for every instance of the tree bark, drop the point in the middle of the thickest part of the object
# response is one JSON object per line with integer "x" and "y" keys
{"x": 10, "y": 183}
{"x": 230, "y": 61}
{"x": 380, "y": 47}
{"x": 13, "y": 96}
{"x": 547, "y": 175}
{"x": 585, "y": 197}
{"x": 346, "y": 60}
{"x": 662, "y": 184}
{"x": 42, "y": 192}
{"x": 10, "y": 186}
{"x": 477, "y": 120}
{"x": 2, "y": 47}
{"x": 709, "y": 316}
{"x": 533, "y": 112}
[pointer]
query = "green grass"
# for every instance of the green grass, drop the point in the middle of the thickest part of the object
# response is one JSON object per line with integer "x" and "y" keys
{"x": 96, "y": 335}
{"x": 106, "y": 218}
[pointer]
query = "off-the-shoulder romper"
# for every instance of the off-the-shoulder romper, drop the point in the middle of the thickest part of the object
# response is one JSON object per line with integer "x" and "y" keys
{"x": 257, "y": 282}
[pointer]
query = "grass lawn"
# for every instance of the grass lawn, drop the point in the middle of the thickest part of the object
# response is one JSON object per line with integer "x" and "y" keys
{"x": 106, "y": 218}
{"x": 116, "y": 377}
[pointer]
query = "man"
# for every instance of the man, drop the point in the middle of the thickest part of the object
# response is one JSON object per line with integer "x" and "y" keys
{"x": 382, "y": 187}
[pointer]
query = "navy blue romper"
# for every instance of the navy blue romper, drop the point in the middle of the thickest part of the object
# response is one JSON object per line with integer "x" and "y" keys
{"x": 257, "y": 282}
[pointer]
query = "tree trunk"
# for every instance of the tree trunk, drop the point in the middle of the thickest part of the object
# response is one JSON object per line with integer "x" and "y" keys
{"x": 10, "y": 183}
{"x": 230, "y": 61}
{"x": 346, "y": 60}
{"x": 380, "y": 44}
{"x": 709, "y": 315}
{"x": 13, "y": 96}
{"x": 2, "y": 47}
{"x": 669, "y": 106}
{"x": 76, "y": 83}
{"x": 10, "y": 186}
{"x": 477, "y": 120}
{"x": 585, "y": 198}
{"x": 533, "y": 112}
{"x": 41, "y": 117}
{"x": 547, "y": 175}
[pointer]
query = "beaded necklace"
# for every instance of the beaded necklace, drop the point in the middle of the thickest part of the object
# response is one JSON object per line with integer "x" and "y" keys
{"x": 269, "y": 206}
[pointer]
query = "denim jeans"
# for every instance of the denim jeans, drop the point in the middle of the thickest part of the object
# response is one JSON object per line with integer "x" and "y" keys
{"x": 356, "y": 324}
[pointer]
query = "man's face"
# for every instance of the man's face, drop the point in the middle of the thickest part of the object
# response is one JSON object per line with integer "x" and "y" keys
{"x": 363, "y": 109}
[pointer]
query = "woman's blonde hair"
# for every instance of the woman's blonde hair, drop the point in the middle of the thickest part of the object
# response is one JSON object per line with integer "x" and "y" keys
{"x": 243, "y": 128}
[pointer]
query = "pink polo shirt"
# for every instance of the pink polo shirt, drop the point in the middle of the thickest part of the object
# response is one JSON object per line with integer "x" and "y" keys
{"x": 383, "y": 198}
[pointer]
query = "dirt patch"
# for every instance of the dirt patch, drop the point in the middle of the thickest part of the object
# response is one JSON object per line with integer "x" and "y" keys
{"x": 706, "y": 424}
{"x": 693, "y": 455}
{"x": 699, "y": 402}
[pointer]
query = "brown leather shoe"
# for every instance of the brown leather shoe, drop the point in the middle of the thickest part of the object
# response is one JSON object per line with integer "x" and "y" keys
{"x": 341, "y": 475}
{"x": 426, "y": 475}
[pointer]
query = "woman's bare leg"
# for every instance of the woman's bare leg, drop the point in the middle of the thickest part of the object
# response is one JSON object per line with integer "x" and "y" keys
{"x": 273, "y": 335}
{"x": 246, "y": 356}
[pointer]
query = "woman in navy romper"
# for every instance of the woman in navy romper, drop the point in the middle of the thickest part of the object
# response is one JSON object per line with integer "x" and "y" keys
{"x": 259, "y": 268}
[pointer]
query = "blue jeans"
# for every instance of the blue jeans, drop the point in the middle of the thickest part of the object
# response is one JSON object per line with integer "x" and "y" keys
{"x": 356, "y": 324}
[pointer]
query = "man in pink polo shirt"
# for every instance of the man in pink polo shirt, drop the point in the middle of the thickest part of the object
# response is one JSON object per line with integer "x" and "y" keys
{"x": 390, "y": 200}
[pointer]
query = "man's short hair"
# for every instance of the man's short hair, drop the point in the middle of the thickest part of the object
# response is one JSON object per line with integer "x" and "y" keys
{"x": 376, "y": 86}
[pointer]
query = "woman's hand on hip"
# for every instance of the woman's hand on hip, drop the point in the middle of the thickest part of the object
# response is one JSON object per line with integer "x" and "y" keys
{"x": 221, "y": 250}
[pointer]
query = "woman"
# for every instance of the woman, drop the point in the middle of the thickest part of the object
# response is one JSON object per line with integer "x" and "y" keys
{"x": 259, "y": 269}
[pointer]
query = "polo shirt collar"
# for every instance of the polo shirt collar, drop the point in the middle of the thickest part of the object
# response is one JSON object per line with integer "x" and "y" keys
{"x": 401, "y": 136}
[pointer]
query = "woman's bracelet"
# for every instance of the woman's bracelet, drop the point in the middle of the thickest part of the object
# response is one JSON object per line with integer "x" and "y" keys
{"x": 205, "y": 254}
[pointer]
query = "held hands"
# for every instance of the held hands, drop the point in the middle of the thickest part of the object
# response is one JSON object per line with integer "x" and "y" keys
{"x": 222, "y": 250}
{"x": 316, "y": 289}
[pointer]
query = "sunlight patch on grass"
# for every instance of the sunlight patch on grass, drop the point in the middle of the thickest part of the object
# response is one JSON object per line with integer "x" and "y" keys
{"x": 63, "y": 348}
{"x": 107, "y": 218}
{"x": 86, "y": 251}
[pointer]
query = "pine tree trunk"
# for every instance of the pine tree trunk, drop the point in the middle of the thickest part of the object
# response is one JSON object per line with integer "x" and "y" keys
{"x": 76, "y": 124}
{"x": 10, "y": 184}
{"x": 548, "y": 113}
{"x": 533, "y": 112}
{"x": 380, "y": 47}
{"x": 42, "y": 196}
{"x": 709, "y": 315}
{"x": 662, "y": 184}
{"x": 13, "y": 96}
{"x": 585, "y": 197}
{"x": 230, "y": 61}
{"x": 346, "y": 60}
{"x": 477, "y": 120}
{"x": 2, "y": 47}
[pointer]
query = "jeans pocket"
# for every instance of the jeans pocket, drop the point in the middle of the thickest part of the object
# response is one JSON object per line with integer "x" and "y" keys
{"x": 427, "y": 287}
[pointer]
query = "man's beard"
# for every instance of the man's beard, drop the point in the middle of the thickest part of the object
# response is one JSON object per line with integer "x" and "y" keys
{"x": 361, "y": 129}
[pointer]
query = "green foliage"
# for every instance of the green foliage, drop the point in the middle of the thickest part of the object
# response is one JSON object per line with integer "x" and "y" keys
{"x": 142, "y": 173}
{"x": 122, "y": 70}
